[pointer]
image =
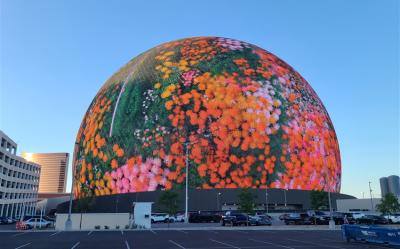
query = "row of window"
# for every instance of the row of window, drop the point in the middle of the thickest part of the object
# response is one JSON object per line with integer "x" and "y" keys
{"x": 20, "y": 175}
{"x": 18, "y": 185}
{"x": 8, "y": 146}
{"x": 12, "y": 196}
{"x": 19, "y": 164}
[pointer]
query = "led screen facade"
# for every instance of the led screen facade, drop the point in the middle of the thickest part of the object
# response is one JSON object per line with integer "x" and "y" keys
{"x": 235, "y": 114}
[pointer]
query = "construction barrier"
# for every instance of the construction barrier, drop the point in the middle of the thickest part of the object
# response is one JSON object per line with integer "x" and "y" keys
{"x": 373, "y": 234}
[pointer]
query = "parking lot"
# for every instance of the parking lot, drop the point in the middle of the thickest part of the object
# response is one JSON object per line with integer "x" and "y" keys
{"x": 178, "y": 239}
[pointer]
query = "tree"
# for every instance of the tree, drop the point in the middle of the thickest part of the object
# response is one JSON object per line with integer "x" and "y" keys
{"x": 389, "y": 204}
{"x": 83, "y": 205}
{"x": 319, "y": 199}
{"x": 168, "y": 201}
{"x": 246, "y": 201}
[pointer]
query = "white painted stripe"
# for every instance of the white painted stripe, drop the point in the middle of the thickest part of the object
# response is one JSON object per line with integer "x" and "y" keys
{"x": 212, "y": 231}
{"x": 20, "y": 233}
{"x": 152, "y": 231}
{"x": 27, "y": 244}
{"x": 272, "y": 244}
{"x": 182, "y": 231}
{"x": 127, "y": 245}
{"x": 89, "y": 233}
{"x": 55, "y": 233}
{"x": 315, "y": 244}
{"x": 225, "y": 244}
{"x": 178, "y": 245}
{"x": 122, "y": 232}
{"x": 76, "y": 245}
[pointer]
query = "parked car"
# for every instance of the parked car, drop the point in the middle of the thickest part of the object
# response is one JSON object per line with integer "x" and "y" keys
{"x": 236, "y": 219}
{"x": 283, "y": 216}
{"x": 298, "y": 219}
{"x": 7, "y": 220}
{"x": 179, "y": 217}
{"x": 372, "y": 219}
{"x": 204, "y": 217}
{"x": 260, "y": 220}
{"x": 38, "y": 223}
{"x": 160, "y": 217}
{"x": 393, "y": 218}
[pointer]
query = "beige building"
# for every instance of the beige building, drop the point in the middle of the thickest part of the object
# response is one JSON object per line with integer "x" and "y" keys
{"x": 53, "y": 175}
{"x": 19, "y": 181}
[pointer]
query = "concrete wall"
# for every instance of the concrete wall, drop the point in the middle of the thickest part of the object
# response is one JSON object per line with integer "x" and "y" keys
{"x": 349, "y": 205}
{"x": 142, "y": 214}
{"x": 90, "y": 220}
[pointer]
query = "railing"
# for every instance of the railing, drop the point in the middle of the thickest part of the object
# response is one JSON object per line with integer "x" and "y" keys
{"x": 372, "y": 234}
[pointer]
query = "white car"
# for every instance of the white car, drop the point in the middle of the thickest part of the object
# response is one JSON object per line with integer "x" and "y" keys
{"x": 393, "y": 218}
{"x": 159, "y": 217}
{"x": 38, "y": 223}
{"x": 179, "y": 218}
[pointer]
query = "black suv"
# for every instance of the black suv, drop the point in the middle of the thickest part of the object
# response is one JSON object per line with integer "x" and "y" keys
{"x": 236, "y": 220}
{"x": 204, "y": 217}
{"x": 298, "y": 219}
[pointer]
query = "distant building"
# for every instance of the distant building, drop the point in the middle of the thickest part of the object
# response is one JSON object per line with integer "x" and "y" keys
{"x": 19, "y": 181}
{"x": 53, "y": 176}
{"x": 358, "y": 205}
{"x": 390, "y": 184}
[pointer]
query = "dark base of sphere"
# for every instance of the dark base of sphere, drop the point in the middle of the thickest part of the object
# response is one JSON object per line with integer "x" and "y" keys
{"x": 203, "y": 200}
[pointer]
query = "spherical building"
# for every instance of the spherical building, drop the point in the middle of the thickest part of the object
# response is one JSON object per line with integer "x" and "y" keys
{"x": 236, "y": 115}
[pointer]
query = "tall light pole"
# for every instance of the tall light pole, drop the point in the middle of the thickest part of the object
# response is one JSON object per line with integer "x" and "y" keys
{"x": 68, "y": 222}
{"x": 370, "y": 194}
{"x": 218, "y": 195}
{"x": 331, "y": 221}
{"x": 284, "y": 194}
{"x": 266, "y": 199}
{"x": 187, "y": 182}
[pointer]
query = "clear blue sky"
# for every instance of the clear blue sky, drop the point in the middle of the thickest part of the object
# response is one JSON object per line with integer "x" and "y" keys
{"x": 55, "y": 56}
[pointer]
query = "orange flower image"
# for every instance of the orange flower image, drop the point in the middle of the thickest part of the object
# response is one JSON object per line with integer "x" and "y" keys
{"x": 242, "y": 116}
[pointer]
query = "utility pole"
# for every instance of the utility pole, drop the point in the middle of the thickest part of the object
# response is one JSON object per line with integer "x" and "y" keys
{"x": 370, "y": 194}
{"x": 266, "y": 199}
{"x": 187, "y": 182}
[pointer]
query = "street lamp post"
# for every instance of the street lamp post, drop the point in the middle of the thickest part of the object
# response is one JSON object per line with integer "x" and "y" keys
{"x": 68, "y": 222}
{"x": 331, "y": 221}
{"x": 187, "y": 182}
{"x": 218, "y": 195}
{"x": 370, "y": 195}
{"x": 266, "y": 199}
{"x": 284, "y": 193}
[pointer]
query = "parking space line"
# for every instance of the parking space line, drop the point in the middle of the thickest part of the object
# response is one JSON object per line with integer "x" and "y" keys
{"x": 20, "y": 233}
{"x": 54, "y": 233}
{"x": 152, "y": 231}
{"x": 272, "y": 244}
{"x": 127, "y": 245}
{"x": 316, "y": 244}
{"x": 225, "y": 244}
{"x": 76, "y": 245}
{"x": 27, "y": 244}
{"x": 122, "y": 232}
{"x": 215, "y": 232}
{"x": 178, "y": 245}
{"x": 89, "y": 233}
{"x": 182, "y": 231}
{"x": 240, "y": 231}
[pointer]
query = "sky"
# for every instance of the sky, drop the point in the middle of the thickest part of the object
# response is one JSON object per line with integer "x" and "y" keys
{"x": 55, "y": 56}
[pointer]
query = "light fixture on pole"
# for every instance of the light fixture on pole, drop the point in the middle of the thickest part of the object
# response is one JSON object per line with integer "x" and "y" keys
{"x": 370, "y": 194}
{"x": 284, "y": 193}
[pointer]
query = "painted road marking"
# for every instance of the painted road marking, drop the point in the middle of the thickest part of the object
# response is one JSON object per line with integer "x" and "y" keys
{"x": 225, "y": 244}
{"x": 315, "y": 244}
{"x": 122, "y": 232}
{"x": 27, "y": 244}
{"x": 55, "y": 233}
{"x": 272, "y": 244}
{"x": 89, "y": 233}
{"x": 76, "y": 245}
{"x": 182, "y": 231}
{"x": 178, "y": 245}
{"x": 152, "y": 231}
{"x": 127, "y": 245}
{"x": 20, "y": 233}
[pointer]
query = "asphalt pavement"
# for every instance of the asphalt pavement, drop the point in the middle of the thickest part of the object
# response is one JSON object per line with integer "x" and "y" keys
{"x": 179, "y": 239}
